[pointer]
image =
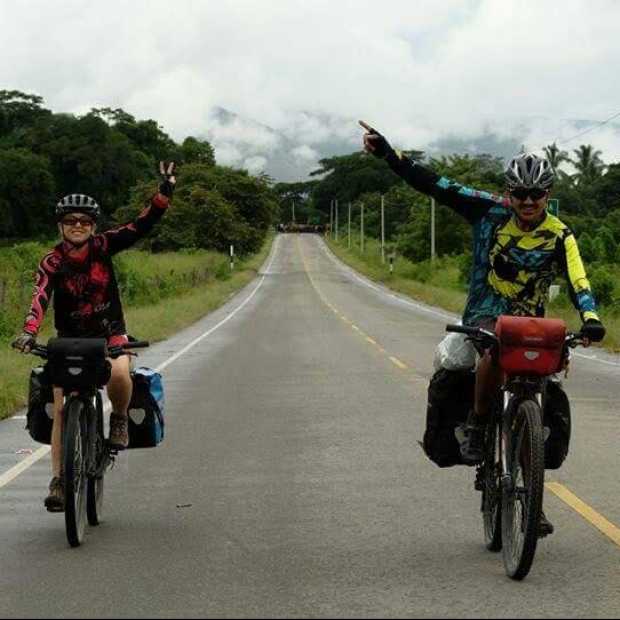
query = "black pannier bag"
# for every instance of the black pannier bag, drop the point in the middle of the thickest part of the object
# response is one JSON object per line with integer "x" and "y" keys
{"x": 556, "y": 418}
{"x": 450, "y": 398}
{"x": 40, "y": 403}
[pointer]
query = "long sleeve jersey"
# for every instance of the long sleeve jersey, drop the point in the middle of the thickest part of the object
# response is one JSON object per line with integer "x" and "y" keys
{"x": 512, "y": 269}
{"x": 82, "y": 281}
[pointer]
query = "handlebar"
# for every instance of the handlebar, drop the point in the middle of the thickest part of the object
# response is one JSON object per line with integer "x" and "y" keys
{"x": 487, "y": 339}
{"x": 40, "y": 350}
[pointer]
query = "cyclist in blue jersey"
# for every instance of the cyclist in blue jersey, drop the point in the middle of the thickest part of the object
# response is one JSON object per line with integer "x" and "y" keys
{"x": 518, "y": 250}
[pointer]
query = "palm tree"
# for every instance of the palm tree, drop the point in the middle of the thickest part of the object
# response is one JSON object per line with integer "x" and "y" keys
{"x": 588, "y": 164}
{"x": 555, "y": 156}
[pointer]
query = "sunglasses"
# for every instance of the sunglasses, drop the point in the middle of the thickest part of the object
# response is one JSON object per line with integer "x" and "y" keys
{"x": 521, "y": 193}
{"x": 74, "y": 221}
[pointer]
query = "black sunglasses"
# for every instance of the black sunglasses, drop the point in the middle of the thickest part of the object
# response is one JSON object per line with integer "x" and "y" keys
{"x": 521, "y": 193}
{"x": 74, "y": 221}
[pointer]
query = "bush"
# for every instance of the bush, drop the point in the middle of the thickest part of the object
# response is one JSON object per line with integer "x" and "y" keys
{"x": 602, "y": 282}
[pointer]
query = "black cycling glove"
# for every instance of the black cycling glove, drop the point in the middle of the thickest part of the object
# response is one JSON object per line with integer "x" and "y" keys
{"x": 167, "y": 172}
{"x": 593, "y": 330}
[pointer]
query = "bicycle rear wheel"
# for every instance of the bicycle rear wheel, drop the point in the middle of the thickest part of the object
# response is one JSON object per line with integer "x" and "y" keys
{"x": 94, "y": 488}
{"x": 522, "y": 504}
{"x": 75, "y": 443}
{"x": 492, "y": 490}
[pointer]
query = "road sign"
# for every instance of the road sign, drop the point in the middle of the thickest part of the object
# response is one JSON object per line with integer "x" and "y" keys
{"x": 553, "y": 206}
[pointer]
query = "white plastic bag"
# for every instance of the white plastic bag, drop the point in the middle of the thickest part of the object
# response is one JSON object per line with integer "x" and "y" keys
{"x": 455, "y": 353}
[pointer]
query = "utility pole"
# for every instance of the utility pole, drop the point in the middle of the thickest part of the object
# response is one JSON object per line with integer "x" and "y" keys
{"x": 349, "y": 242}
{"x": 331, "y": 219}
{"x": 336, "y": 206}
{"x": 293, "y": 211}
{"x": 382, "y": 229}
{"x": 432, "y": 229}
{"x": 362, "y": 228}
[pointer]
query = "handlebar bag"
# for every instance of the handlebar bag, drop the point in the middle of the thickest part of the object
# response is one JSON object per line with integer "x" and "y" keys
{"x": 146, "y": 409}
{"x": 40, "y": 406}
{"x": 530, "y": 345}
{"x": 78, "y": 363}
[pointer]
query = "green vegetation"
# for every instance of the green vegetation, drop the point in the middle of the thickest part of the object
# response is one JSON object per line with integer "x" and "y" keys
{"x": 162, "y": 293}
{"x": 113, "y": 157}
{"x": 443, "y": 282}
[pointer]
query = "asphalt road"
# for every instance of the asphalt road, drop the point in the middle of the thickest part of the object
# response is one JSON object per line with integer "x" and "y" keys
{"x": 290, "y": 482}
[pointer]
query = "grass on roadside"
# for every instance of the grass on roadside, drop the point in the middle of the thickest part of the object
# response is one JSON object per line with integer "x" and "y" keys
{"x": 152, "y": 322}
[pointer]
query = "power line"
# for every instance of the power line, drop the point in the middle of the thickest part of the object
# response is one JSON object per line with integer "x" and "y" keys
{"x": 582, "y": 133}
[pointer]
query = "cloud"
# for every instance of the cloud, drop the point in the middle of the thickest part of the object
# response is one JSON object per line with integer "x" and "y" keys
{"x": 418, "y": 71}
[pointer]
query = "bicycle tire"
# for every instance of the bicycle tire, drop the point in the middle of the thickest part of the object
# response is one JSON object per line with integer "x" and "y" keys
{"x": 492, "y": 491}
{"x": 522, "y": 505}
{"x": 75, "y": 443}
{"x": 94, "y": 487}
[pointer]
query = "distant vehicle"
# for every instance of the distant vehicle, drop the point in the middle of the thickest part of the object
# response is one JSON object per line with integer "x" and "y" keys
{"x": 294, "y": 227}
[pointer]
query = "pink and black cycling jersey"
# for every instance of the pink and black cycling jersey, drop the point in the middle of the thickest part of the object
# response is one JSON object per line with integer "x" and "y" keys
{"x": 82, "y": 283}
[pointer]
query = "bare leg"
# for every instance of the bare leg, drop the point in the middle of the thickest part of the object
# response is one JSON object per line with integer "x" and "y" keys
{"x": 488, "y": 380}
{"x": 57, "y": 432}
{"x": 119, "y": 387}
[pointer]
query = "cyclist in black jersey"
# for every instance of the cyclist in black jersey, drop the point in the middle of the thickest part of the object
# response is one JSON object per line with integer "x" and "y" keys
{"x": 78, "y": 273}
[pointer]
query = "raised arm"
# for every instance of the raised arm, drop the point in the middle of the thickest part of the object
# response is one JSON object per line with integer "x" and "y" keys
{"x": 123, "y": 237}
{"x": 471, "y": 203}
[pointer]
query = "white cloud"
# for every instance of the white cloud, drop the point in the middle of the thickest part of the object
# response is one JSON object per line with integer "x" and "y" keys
{"x": 255, "y": 164}
{"x": 416, "y": 70}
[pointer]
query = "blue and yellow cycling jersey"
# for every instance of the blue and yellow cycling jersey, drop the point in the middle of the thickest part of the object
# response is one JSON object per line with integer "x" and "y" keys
{"x": 512, "y": 269}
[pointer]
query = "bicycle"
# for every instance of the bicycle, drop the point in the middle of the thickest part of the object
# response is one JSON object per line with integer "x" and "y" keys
{"x": 82, "y": 368}
{"x": 511, "y": 476}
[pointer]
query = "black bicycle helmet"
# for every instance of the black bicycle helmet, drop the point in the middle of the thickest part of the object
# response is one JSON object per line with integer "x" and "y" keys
{"x": 78, "y": 203}
{"x": 529, "y": 170}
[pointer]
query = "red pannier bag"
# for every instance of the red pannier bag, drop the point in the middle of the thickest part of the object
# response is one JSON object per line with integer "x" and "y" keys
{"x": 530, "y": 346}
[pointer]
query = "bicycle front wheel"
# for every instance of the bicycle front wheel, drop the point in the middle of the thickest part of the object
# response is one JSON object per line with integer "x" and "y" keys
{"x": 522, "y": 504}
{"x": 74, "y": 460}
{"x": 94, "y": 488}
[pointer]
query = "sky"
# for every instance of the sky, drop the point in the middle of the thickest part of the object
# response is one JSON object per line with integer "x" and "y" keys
{"x": 418, "y": 71}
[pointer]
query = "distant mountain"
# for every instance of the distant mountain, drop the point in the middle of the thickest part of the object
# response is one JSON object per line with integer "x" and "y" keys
{"x": 291, "y": 154}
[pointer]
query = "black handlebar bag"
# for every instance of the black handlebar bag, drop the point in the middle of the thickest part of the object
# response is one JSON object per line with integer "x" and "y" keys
{"x": 78, "y": 363}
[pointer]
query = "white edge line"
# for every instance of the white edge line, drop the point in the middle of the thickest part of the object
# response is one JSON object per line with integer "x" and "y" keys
{"x": 422, "y": 308}
{"x": 24, "y": 464}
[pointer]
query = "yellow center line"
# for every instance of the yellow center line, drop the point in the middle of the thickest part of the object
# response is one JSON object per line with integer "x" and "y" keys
{"x": 356, "y": 328}
{"x": 398, "y": 363}
{"x": 369, "y": 339}
{"x": 587, "y": 512}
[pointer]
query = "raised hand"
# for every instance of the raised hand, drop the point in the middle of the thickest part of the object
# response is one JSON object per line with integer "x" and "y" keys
{"x": 374, "y": 142}
{"x": 167, "y": 172}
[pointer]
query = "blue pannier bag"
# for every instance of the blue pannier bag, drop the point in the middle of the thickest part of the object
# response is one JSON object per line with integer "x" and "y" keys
{"x": 146, "y": 409}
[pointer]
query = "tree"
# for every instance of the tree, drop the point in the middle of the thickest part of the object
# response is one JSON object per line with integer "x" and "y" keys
{"x": 90, "y": 157}
{"x": 19, "y": 110}
{"x": 555, "y": 155}
{"x": 26, "y": 194}
{"x": 194, "y": 151}
{"x": 588, "y": 163}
